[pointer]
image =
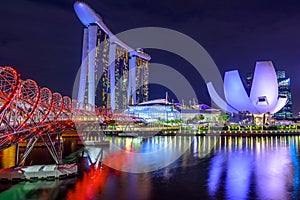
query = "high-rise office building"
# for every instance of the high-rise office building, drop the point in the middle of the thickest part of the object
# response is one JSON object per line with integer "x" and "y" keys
{"x": 112, "y": 75}
{"x": 283, "y": 90}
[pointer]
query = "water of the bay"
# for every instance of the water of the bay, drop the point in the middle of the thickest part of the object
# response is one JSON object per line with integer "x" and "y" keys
{"x": 212, "y": 168}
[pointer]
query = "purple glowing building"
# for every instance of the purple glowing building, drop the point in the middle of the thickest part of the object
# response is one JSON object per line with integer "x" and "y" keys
{"x": 263, "y": 99}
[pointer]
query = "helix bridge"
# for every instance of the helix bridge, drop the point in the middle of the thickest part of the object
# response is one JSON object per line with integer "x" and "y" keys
{"x": 29, "y": 113}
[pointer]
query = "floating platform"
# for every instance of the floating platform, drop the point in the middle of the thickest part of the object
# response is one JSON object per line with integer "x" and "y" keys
{"x": 96, "y": 143}
{"x": 134, "y": 135}
{"x": 37, "y": 172}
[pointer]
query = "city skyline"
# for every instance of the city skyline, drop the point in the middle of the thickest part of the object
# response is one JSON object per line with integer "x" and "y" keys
{"x": 111, "y": 99}
{"x": 232, "y": 35}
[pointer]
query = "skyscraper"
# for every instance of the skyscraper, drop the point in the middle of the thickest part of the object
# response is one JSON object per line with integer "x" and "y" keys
{"x": 284, "y": 90}
{"x": 111, "y": 70}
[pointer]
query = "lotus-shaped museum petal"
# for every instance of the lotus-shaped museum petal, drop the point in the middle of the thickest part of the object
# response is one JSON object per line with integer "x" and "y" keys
{"x": 263, "y": 95}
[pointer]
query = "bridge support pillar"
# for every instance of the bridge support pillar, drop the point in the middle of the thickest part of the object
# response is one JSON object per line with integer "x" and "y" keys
{"x": 17, "y": 154}
{"x": 50, "y": 144}
{"x": 59, "y": 147}
{"x": 29, "y": 148}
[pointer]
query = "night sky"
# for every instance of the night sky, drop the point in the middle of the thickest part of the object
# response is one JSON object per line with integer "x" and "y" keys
{"x": 42, "y": 39}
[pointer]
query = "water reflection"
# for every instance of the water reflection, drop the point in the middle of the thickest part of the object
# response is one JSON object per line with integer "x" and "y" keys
{"x": 215, "y": 174}
{"x": 140, "y": 156}
{"x": 269, "y": 163}
{"x": 89, "y": 185}
{"x": 212, "y": 168}
{"x": 238, "y": 175}
{"x": 296, "y": 165}
{"x": 39, "y": 155}
{"x": 35, "y": 190}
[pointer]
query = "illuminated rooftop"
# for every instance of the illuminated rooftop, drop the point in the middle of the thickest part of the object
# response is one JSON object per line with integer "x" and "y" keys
{"x": 88, "y": 16}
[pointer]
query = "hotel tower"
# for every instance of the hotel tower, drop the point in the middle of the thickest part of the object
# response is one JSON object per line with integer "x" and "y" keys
{"x": 112, "y": 75}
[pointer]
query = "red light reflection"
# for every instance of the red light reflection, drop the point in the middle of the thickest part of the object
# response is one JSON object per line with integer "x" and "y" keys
{"x": 89, "y": 186}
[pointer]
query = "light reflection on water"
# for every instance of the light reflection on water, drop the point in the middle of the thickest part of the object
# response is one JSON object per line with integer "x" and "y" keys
{"x": 235, "y": 168}
{"x": 260, "y": 167}
{"x": 140, "y": 156}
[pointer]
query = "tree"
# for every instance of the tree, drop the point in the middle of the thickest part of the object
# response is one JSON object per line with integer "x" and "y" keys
{"x": 200, "y": 117}
{"x": 224, "y": 117}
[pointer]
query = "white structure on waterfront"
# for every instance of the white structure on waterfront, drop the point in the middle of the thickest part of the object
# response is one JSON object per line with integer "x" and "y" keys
{"x": 154, "y": 110}
{"x": 263, "y": 99}
{"x": 109, "y": 62}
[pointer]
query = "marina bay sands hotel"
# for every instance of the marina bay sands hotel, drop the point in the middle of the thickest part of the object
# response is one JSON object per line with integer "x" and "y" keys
{"x": 112, "y": 74}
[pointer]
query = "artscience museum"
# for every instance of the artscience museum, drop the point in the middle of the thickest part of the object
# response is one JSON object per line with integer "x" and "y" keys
{"x": 262, "y": 98}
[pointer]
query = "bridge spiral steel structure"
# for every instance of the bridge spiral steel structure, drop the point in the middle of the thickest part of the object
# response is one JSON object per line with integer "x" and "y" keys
{"x": 28, "y": 112}
{"x": 31, "y": 113}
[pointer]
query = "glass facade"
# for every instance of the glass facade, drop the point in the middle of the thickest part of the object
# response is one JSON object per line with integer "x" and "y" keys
{"x": 152, "y": 113}
{"x": 121, "y": 77}
{"x": 142, "y": 77}
{"x": 98, "y": 59}
{"x": 284, "y": 90}
{"x": 101, "y": 69}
